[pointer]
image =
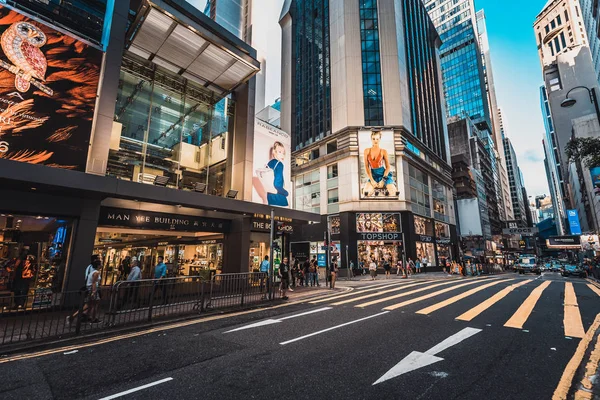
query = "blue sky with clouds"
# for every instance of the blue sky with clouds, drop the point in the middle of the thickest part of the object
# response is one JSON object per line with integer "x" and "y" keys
{"x": 517, "y": 75}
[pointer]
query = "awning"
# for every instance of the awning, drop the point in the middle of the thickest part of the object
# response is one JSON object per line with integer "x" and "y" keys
{"x": 186, "y": 47}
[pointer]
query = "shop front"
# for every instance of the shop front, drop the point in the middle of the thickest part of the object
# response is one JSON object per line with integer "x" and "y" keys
{"x": 34, "y": 251}
{"x": 424, "y": 243}
{"x": 260, "y": 245}
{"x": 379, "y": 239}
{"x": 443, "y": 243}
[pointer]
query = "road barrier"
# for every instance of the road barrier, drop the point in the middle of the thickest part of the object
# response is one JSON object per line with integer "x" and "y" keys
{"x": 34, "y": 318}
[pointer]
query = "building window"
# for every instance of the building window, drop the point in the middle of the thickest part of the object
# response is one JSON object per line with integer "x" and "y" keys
{"x": 314, "y": 154}
{"x": 419, "y": 191}
{"x": 332, "y": 171}
{"x": 371, "y": 63}
{"x": 332, "y": 147}
{"x": 308, "y": 192}
{"x": 332, "y": 196}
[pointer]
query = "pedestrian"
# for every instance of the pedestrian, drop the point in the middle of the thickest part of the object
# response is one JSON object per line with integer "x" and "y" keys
{"x": 94, "y": 265}
{"x": 334, "y": 271}
{"x": 313, "y": 271}
{"x": 399, "y": 268}
{"x": 306, "y": 272}
{"x": 132, "y": 287}
{"x": 160, "y": 274}
{"x": 284, "y": 271}
{"x": 264, "y": 269}
{"x": 93, "y": 289}
{"x": 294, "y": 272}
{"x": 417, "y": 266}
{"x": 361, "y": 265}
{"x": 424, "y": 263}
{"x": 410, "y": 267}
{"x": 373, "y": 269}
{"x": 387, "y": 268}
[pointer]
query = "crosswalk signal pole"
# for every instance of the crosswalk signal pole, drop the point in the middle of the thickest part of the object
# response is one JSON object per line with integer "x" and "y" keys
{"x": 404, "y": 257}
{"x": 271, "y": 251}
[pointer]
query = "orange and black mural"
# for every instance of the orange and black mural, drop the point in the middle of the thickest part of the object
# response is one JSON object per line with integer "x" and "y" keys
{"x": 48, "y": 86}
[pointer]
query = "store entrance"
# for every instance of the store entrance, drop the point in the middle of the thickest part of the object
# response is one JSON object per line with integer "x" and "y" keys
{"x": 260, "y": 247}
{"x": 184, "y": 253}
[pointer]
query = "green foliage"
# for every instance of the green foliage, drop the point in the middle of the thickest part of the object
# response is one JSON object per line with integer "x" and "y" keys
{"x": 587, "y": 150}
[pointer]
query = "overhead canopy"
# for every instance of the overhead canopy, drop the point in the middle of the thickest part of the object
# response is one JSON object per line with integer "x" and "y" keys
{"x": 185, "y": 46}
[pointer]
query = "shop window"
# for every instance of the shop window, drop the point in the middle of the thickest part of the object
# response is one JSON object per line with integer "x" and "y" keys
{"x": 378, "y": 222}
{"x": 34, "y": 255}
{"x": 423, "y": 226}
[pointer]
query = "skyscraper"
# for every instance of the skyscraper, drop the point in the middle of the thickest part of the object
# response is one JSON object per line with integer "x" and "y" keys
{"x": 228, "y": 14}
{"x": 373, "y": 101}
{"x": 468, "y": 85}
{"x": 516, "y": 186}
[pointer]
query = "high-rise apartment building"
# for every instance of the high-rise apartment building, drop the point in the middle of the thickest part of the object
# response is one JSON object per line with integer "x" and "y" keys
{"x": 362, "y": 97}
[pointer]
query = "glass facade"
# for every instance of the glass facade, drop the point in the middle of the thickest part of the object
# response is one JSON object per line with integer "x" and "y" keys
{"x": 169, "y": 127}
{"x": 464, "y": 86}
{"x": 371, "y": 63}
{"x": 419, "y": 191}
{"x": 311, "y": 90}
{"x": 421, "y": 36}
{"x": 308, "y": 192}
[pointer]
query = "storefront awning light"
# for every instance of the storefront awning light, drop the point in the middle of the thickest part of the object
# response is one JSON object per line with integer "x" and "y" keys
{"x": 200, "y": 56}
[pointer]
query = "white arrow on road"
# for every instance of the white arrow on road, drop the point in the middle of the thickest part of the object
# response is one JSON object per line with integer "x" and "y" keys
{"x": 416, "y": 360}
{"x": 276, "y": 321}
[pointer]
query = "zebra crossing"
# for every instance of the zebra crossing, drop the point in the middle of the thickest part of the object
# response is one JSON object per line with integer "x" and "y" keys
{"x": 433, "y": 295}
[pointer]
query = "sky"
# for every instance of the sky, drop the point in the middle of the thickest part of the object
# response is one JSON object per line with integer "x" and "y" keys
{"x": 516, "y": 67}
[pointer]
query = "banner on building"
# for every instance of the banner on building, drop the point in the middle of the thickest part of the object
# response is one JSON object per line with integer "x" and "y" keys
{"x": 574, "y": 225}
{"x": 48, "y": 86}
{"x": 595, "y": 173}
{"x": 378, "y": 178}
{"x": 271, "y": 180}
{"x": 590, "y": 242}
{"x": 564, "y": 242}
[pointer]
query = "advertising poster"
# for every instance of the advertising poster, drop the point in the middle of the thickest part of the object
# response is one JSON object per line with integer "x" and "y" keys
{"x": 271, "y": 179}
{"x": 590, "y": 242}
{"x": 574, "y": 225}
{"x": 378, "y": 178}
{"x": 595, "y": 172}
{"x": 48, "y": 86}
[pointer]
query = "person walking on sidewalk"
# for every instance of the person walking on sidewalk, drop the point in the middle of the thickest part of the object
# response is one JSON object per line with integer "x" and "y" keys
{"x": 410, "y": 267}
{"x": 95, "y": 263}
{"x": 313, "y": 271}
{"x": 160, "y": 273}
{"x": 417, "y": 266}
{"x": 373, "y": 269}
{"x": 264, "y": 268}
{"x": 284, "y": 273}
{"x": 334, "y": 271}
{"x": 399, "y": 268}
{"x": 424, "y": 263}
{"x": 132, "y": 288}
{"x": 93, "y": 289}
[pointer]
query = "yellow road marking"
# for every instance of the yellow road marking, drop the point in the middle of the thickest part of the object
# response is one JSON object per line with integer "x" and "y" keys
{"x": 367, "y": 296}
{"x": 370, "y": 303}
{"x": 572, "y": 318}
{"x": 562, "y": 390}
{"x": 356, "y": 292}
{"x": 522, "y": 314}
{"x": 452, "y": 300}
{"x": 594, "y": 288}
{"x": 475, "y": 311}
{"x": 428, "y": 296}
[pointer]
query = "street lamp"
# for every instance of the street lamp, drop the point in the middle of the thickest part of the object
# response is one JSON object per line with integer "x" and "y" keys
{"x": 570, "y": 102}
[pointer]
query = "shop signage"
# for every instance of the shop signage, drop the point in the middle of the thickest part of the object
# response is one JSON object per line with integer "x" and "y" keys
{"x": 300, "y": 250}
{"x": 425, "y": 239}
{"x": 213, "y": 241}
{"x": 575, "y": 226}
{"x": 380, "y": 236}
{"x": 109, "y": 240}
{"x": 443, "y": 241}
{"x": 48, "y": 93}
{"x": 322, "y": 260}
{"x": 140, "y": 219}
{"x": 564, "y": 241}
{"x": 520, "y": 231}
{"x": 265, "y": 226}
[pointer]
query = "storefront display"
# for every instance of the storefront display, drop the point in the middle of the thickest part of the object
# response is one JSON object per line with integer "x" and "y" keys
{"x": 426, "y": 250}
{"x": 33, "y": 256}
{"x": 385, "y": 244}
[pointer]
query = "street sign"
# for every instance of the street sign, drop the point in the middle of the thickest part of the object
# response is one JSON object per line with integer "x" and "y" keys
{"x": 520, "y": 231}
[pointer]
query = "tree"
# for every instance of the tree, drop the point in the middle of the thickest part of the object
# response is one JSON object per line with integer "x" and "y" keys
{"x": 586, "y": 150}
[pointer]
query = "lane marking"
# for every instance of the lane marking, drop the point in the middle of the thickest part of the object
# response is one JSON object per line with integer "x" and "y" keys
{"x": 332, "y": 328}
{"x": 183, "y": 324}
{"x": 277, "y": 320}
{"x": 416, "y": 360}
{"x": 564, "y": 385}
{"x": 357, "y": 292}
{"x": 427, "y": 296}
{"x": 591, "y": 370}
{"x": 137, "y": 389}
{"x": 452, "y": 300}
{"x": 368, "y": 296}
{"x": 594, "y": 288}
{"x": 572, "y": 319}
{"x": 475, "y": 311}
{"x": 370, "y": 303}
{"x": 522, "y": 314}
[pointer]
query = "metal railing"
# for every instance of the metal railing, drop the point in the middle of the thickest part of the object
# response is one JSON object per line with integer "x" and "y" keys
{"x": 56, "y": 315}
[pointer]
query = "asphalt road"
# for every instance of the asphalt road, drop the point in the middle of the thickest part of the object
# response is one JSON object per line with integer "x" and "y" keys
{"x": 342, "y": 347}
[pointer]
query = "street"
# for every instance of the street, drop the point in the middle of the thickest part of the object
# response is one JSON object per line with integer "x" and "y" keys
{"x": 493, "y": 337}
